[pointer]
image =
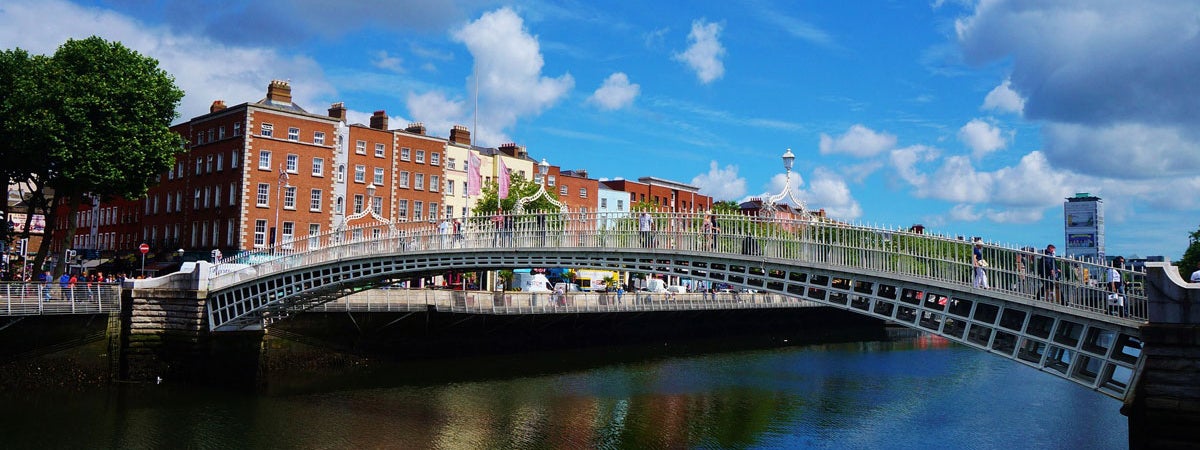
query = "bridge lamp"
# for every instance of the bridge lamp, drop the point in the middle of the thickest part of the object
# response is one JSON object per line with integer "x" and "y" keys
{"x": 371, "y": 196}
{"x": 180, "y": 254}
{"x": 788, "y": 159}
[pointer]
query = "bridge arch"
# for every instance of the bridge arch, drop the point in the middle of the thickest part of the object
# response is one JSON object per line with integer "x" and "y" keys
{"x": 1085, "y": 347}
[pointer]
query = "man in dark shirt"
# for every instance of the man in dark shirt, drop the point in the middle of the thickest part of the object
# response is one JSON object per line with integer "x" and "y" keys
{"x": 1048, "y": 271}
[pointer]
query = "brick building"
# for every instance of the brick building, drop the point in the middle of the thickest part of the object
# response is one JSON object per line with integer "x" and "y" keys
{"x": 666, "y": 195}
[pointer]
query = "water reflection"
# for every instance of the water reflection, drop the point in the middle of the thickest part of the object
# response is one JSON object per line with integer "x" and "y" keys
{"x": 915, "y": 393}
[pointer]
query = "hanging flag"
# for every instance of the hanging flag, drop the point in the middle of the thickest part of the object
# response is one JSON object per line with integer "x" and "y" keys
{"x": 474, "y": 178}
{"x": 503, "y": 181}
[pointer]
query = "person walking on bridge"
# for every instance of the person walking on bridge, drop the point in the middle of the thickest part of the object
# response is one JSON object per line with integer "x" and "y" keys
{"x": 1048, "y": 271}
{"x": 977, "y": 261}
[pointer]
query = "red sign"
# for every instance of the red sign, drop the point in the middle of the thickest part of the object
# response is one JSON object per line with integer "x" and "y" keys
{"x": 144, "y": 248}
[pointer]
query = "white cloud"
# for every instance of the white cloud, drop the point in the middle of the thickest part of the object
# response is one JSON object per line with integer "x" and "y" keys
{"x": 508, "y": 63}
{"x": 858, "y": 141}
{"x": 827, "y": 190}
{"x": 206, "y": 70}
{"x": 1002, "y": 98}
{"x": 435, "y": 110}
{"x": 1112, "y": 80}
{"x": 616, "y": 93}
{"x": 721, "y": 183}
{"x": 982, "y": 137}
{"x": 385, "y": 61}
{"x": 705, "y": 52}
{"x": 906, "y": 159}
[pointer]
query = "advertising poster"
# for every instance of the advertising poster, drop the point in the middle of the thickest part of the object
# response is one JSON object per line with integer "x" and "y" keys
{"x": 17, "y": 220}
{"x": 1081, "y": 240}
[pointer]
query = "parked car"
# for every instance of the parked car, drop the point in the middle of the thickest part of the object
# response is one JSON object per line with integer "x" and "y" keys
{"x": 677, "y": 289}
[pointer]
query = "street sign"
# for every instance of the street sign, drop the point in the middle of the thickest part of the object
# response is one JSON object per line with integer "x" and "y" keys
{"x": 144, "y": 248}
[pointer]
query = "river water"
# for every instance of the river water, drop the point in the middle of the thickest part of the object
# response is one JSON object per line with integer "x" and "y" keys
{"x": 918, "y": 393}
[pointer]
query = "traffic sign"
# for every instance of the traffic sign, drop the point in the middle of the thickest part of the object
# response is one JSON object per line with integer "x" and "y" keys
{"x": 144, "y": 248}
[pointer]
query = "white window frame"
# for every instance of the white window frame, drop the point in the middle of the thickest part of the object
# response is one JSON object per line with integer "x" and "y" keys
{"x": 263, "y": 195}
{"x": 289, "y": 198}
{"x": 405, "y": 153}
{"x": 360, "y": 147}
{"x": 380, "y": 151}
{"x": 420, "y": 157}
{"x": 319, "y": 137}
{"x": 360, "y": 173}
{"x": 318, "y": 167}
{"x": 264, "y": 160}
{"x": 260, "y": 233}
{"x": 266, "y": 130}
{"x": 314, "y": 200}
{"x": 293, "y": 134}
{"x": 403, "y": 181}
{"x": 293, "y": 163}
{"x": 378, "y": 178}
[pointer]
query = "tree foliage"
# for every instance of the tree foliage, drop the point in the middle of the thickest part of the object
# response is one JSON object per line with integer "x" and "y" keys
{"x": 518, "y": 188}
{"x": 1191, "y": 256}
{"x": 91, "y": 120}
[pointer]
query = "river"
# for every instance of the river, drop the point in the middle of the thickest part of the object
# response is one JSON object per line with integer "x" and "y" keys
{"x": 913, "y": 392}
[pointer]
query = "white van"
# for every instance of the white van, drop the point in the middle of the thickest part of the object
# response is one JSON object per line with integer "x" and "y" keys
{"x": 656, "y": 285}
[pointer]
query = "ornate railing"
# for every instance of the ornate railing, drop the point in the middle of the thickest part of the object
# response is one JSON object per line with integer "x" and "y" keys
{"x": 815, "y": 242}
{"x": 28, "y": 299}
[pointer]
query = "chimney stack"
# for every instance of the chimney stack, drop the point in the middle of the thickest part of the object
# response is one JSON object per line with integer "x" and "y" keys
{"x": 416, "y": 128}
{"x": 379, "y": 120}
{"x": 509, "y": 149}
{"x": 217, "y": 105}
{"x": 279, "y": 91}
{"x": 338, "y": 111}
{"x": 460, "y": 135}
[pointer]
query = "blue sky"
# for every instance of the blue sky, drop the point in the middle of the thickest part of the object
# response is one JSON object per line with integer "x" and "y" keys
{"x": 973, "y": 118}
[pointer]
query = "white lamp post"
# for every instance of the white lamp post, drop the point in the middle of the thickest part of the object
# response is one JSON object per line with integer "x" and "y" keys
{"x": 788, "y": 160}
{"x": 543, "y": 170}
{"x": 283, "y": 184}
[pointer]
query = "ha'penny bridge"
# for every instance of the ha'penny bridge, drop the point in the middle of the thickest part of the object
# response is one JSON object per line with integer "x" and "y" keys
{"x": 1143, "y": 352}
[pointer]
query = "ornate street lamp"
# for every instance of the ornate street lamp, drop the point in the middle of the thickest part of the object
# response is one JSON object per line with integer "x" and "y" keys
{"x": 774, "y": 200}
{"x": 543, "y": 169}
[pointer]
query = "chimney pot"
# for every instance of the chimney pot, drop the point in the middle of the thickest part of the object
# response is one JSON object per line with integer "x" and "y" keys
{"x": 338, "y": 111}
{"x": 217, "y": 105}
{"x": 416, "y": 128}
{"x": 279, "y": 91}
{"x": 460, "y": 135}
{"x": 379, "y": 120}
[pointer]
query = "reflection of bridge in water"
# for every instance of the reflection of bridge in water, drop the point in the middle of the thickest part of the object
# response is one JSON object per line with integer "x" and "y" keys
{"x": 1062, "y": 326}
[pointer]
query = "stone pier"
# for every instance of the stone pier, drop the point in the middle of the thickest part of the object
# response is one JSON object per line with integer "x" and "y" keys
{"x": 1164, "y": 406}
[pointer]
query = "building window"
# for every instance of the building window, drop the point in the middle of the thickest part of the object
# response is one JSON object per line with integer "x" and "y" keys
{"x": 210, "y": 135}
{"x": 217, "y": 196}
{"x": 293, "y": 163}
{"x": 293, "y": 134}
{"x": 402, "y": 209}
{"x": 232, "y": 194}
{"x": 450, "y": 187}
{"x": 378, "y": 176}
{"x": 264, "y": 160}
{"x": 199, "y": 165}
{"x": 233, "y": 159}
{"x": 260, "y": 233}
{"x": 550, "y": 180}
{"x": 377, "y": 205}
{"x": 196, "y": 198}
{"x": 360, "y": 147}
{"x": 604, "y": 203}
{"x": 341, "y": 176}
{"x": 289, "y": 197}
{"x": 450, "y": 163}
{"x": 208, "y": 162}
{"x": 464, "y": 189}
{"x": 220, "y": 162}
{"x": 434, "y": 183}
{"x": 358, "y": 203}
{"x": 207, "y": 196}
{"x": 419, "y": 181}
{"x": 267, "y": 130}
{"x": 314, "y": 231}
{"x": 314, "y": 200}
{"x": 237, "y": 129}
{"x": 360, "y": 173}
{"x": 318, "y": 168}
{"x": 435, "y": 159}
{"x": 417, "y": 209}
{"x": 563, "y": 190}
{"x": 582, "y": 192}
{"x": 264, "y": 195}
{"x": 403, "y": 179}
{"x": 289, "y": 229}
{"x": 229, "y": 232}
{"x": 449, "y": 211}
{"x": 379, "y": 153}
{"x": 221, "y": 132}
{"x": 339, "y": 205}
{"x": 433, "y": 211}
{"x": 421, "y": 156}
{"x": 404, "y": 153}
{"x": 319, "y": 137}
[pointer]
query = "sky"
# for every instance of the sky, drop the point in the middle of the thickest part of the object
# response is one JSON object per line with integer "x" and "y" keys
{"x": 971, "y": 117}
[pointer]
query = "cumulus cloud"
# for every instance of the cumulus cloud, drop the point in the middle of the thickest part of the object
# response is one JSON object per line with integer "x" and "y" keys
{"x": 1105, "y": 76}
{"x": 383, "y": 60}
{"x": 906, "y": 159}
{"x": 510, "y": 81}
{"x": 982, "y": 137}
{"x": 827, "y": 190}
{"x": 858, "y": 141}
{"x": 205, "y": 69}
{"x": 1003, "y": 99}
{"x": 721, "y": 183}
{"x": 435, "y": 110}
{"x": 705, "y": 52}
{"x": 616, "y": 92}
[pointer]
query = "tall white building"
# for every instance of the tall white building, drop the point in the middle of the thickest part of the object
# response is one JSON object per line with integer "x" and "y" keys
{"x": 1084, "y": 226}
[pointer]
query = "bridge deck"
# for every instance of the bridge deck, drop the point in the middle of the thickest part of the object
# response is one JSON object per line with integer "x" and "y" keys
{"x": 29, "y": 299}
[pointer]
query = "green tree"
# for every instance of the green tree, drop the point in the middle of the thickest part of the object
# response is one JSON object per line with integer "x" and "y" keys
{"x": 518, "y": 187}
{"x": 726, "y": 207}
{"x": 1191, "y": 256}
{"x": 106, "y": 112}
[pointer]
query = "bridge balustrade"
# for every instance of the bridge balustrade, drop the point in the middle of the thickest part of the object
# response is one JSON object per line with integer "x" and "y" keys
{"x": 25, "y": 299}
{"x": 1081, "y": 285}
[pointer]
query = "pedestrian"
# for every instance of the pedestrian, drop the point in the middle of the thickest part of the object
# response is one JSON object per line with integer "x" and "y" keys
{"x": 978, "y": 263}
{"x": 444, "y": 232}
{"x": 1196, "y": 275}
{"x": 1048, "y": 272}
{"x": 644, "y": 229}
{"x": 620, "y": 293}
{"x": 710, "y": 231}
{"x": 46, "y": 279}
{"x": 1116, "y": 288}
{"x": 458, "y": 233}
